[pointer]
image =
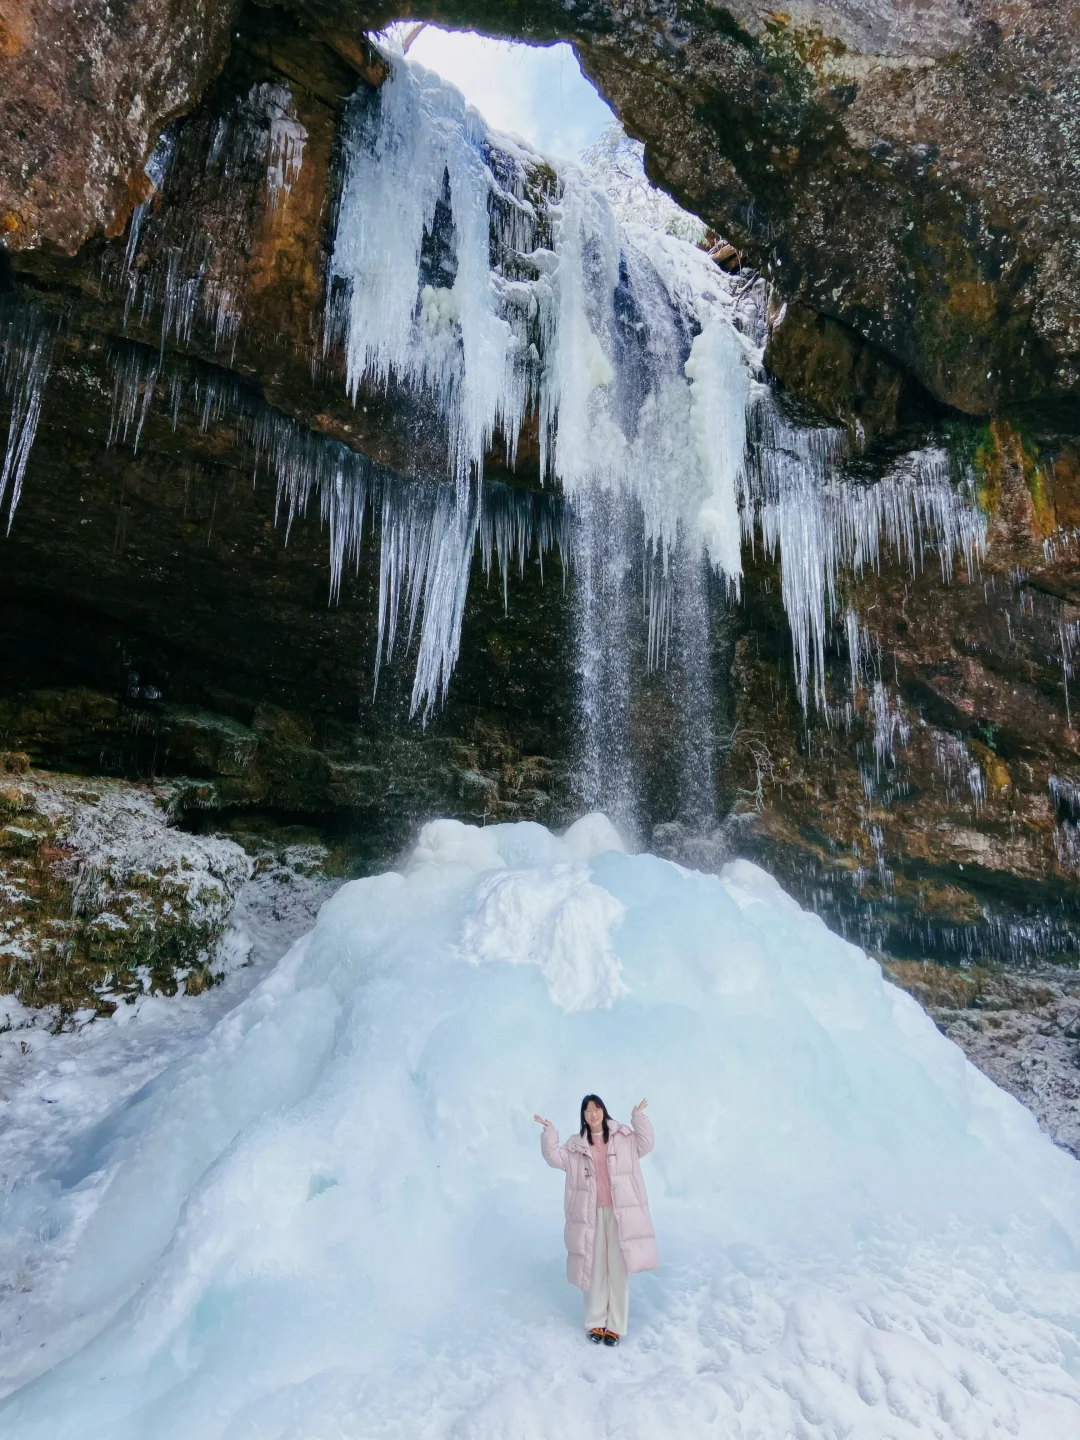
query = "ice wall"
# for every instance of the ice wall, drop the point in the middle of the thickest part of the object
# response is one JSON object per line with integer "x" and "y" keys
{"x": 469, "y": 269}
{"x": 332, "y": 1217}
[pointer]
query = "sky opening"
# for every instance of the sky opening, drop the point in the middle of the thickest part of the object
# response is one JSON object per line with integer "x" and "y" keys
{"x": 536, "y": 92}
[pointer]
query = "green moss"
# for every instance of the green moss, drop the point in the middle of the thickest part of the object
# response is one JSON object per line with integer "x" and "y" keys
{"x": 1003, "y": 443}
{"x": 987, "y": 469}
{"x": 85, "y": 930}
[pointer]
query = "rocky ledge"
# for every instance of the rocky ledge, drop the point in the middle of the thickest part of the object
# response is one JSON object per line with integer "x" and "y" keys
{"x": 907, "y": 174}
{"x": 1022, "y": 1029}
{"x": 100, "y": 897}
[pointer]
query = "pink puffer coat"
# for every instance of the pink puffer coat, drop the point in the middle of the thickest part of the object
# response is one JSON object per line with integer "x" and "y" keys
{"x": 637, "y": 1239}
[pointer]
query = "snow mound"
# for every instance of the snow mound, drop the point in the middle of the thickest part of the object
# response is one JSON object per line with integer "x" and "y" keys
{"x": 332, "y": 1217}
{"x": 559, "y": 921}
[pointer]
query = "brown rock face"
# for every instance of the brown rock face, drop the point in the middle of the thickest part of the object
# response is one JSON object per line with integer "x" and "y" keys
{"x": 935, "y": 814}
{"x": 907, "y": 172}
{"x": 85, "y": 91}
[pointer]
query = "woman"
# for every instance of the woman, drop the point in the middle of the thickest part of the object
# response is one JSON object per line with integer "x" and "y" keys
{"x": 609, "y": 1234}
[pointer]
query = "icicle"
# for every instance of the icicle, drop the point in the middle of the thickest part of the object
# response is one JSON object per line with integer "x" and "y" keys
{"x": 154, "y": 170}
{"x": 954, "y": 760}
{"x": 858, "y": 643}
{"x": 285, "y": 138}
{"x": 25, "y": 362}
{"x": 1068, "y": 639}
{"x": 889, "y": 723}
{"x": 135, "y": 374}
{"x": 821, "y": 522}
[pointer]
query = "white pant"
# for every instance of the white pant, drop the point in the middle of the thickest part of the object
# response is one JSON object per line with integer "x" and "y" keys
{"x": 608, "y": 1299}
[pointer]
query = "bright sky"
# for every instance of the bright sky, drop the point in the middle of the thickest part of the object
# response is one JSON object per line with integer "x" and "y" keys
{"x": 537, "y": 93}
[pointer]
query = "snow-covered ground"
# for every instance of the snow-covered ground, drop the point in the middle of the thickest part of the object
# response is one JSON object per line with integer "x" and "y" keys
{"x": 57, "y": 1089}
{"x": 329, "y": 1215}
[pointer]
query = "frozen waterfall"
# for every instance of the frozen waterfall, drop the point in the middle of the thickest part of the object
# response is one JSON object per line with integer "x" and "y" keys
{"x": 468, "y": 270}
{"x": 501, "y": 291}
{"x": 331, "y": 1217}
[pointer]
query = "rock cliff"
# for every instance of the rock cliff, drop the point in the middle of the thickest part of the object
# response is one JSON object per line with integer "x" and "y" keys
{"x": 901, "y": 177}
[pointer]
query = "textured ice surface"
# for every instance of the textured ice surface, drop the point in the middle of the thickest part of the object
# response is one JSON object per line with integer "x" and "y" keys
{"x": 330, "y": 1218}
{"x": 475, "y": 272}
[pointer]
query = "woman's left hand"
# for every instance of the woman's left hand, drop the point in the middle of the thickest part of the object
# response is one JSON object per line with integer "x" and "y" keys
{"x": 642, "y": 1106}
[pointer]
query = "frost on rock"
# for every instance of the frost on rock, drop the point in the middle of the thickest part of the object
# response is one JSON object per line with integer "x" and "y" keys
{"x": 616, "y": 165}
{"x": 285, "y": 139}
{"x": 101, "y": 898}
{"x": 331, "y": 1216}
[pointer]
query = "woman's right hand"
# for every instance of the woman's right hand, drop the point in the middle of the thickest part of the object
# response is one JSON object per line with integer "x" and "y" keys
{"x": 541, "y": 1121}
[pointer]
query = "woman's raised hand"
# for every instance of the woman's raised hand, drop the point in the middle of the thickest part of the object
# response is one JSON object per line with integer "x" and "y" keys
{"x": 643, "y": 1106}
{"x": 541, "y": 1121}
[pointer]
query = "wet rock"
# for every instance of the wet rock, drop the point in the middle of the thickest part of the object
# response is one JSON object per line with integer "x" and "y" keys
{"x": 84, "y": 94}
{"x": 1020, "y": 1029}
{"x": 847, "y": 378}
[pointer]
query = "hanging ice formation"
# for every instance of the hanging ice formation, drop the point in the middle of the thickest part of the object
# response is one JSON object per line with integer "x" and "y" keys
{"x": 427, "y": 539}
{"x": 823, "y": 523}
{"x": 25, "y": 361}
{"x": 470, "y": 272}
{"x": 190, "y": 271}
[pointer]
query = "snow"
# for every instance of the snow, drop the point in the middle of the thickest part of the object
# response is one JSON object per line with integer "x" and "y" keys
{"x": 329, "y": 1216}
{"x": 718, "y": 421}
{"x": 62, "y": 1092}
{"x": 561, "y": 923}
{"x": 616, "y": 163}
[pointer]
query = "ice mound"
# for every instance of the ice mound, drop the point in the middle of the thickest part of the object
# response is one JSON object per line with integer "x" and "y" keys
{"x": 332, "y": 1219}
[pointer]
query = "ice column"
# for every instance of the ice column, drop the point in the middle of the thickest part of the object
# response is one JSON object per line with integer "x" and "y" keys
{"x": 416, "y": 136}
{"x": 718, "y": 399}
{"x": 25, "y": 361}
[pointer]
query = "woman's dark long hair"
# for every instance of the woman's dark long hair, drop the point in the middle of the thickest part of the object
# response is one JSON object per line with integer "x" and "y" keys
{"x": 585, "y": 1124}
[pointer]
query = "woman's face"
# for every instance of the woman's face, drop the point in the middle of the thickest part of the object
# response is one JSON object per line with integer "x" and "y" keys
{"x": 594, "y": 1116}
